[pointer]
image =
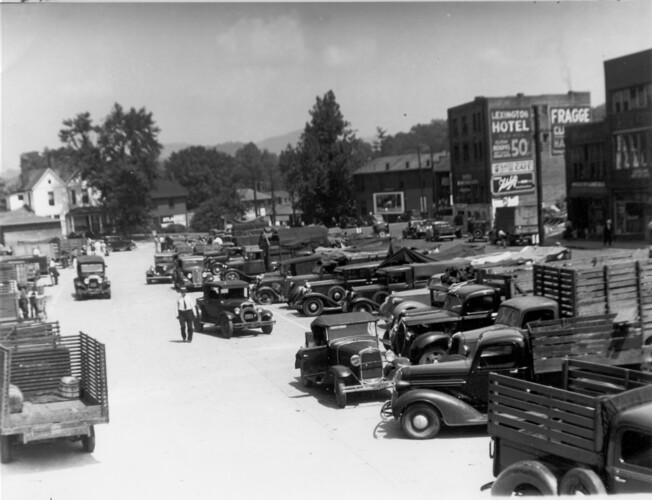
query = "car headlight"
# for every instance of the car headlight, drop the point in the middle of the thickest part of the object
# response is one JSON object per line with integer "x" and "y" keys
{"x": 355, "y": 360}
{"x": 390, "y": 356}
{"x": 237, "y": 310}
{"x": 408, "y": 334}
{"x": 189, "y": 276}
{"x": 85, "y": 281}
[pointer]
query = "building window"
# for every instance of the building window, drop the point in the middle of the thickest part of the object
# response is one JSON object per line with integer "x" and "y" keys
{"x": 465, "y": 152}
{"x": 85, "y": 197}
{"x": 632, "y": 149}
{"x": 454, "y": 127}
{"x": 631, "y": 98}
{"x": 51, "y": 198}
{"x": 465, "y": 128}
{"x": 170, "y": 202}
{"x": 73, "y": 197}
{"x": 21, "y": 197}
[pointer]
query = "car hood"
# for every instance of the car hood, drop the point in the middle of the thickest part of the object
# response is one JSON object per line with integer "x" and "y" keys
{"x": 353, "y": 345}
{"x": 451, "y": 372}
{"x": 419, "y": 316}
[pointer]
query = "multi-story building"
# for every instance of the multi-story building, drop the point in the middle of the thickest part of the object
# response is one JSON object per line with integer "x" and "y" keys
{"x": 393, "y": 185}
{"x": 608, "y": 166}
{"x": 169, "y": 200}
{"x": 501, "y": 147}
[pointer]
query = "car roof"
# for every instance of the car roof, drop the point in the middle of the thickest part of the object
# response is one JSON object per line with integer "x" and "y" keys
{"x": 227, "y": 284}
{"x": 164, "y": 254}
{"x": 90, "y": 259}
{"x": 343, "y": 319}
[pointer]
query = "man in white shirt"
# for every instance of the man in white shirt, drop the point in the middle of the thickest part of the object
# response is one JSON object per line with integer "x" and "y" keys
{"x": 186, "y": 314}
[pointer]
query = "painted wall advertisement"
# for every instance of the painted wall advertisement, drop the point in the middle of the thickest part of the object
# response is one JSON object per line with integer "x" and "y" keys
{"x": 565, "y": 115}
{"x": 512, "y": 166}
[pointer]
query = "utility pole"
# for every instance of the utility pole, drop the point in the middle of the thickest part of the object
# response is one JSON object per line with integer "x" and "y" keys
{"x": 433, "y": 180}
{"x": 271, "y": 180}
{"x": 538, "y": 173}
{"x": 420, "y": 182}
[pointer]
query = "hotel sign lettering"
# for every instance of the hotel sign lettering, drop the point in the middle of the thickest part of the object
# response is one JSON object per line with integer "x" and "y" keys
{"x": 511, "y": 134}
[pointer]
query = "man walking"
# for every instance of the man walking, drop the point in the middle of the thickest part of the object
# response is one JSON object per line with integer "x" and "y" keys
{"x": 186, "y": 314}
{"x": 606, "y": 236}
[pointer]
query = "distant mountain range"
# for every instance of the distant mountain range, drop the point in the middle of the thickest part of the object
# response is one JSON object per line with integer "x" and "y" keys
{"x": 273, "y": 145}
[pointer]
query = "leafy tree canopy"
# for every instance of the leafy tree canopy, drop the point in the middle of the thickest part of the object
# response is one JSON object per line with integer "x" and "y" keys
{"x": 118, "y": 158}
{"x": 432, "y": 136}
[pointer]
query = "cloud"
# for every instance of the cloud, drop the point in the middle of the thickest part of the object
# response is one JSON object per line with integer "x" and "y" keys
{"x": 356, "y": 53}
{"x": 257, "y": 40}
{"x": 81, "y": 89}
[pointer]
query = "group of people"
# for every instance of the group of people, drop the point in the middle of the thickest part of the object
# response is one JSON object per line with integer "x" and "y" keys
{"x": 31, "y": 302}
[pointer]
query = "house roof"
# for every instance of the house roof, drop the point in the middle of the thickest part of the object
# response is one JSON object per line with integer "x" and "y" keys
{"x": 164, "y": 188}
{"x": 409, "y": 162}
{"x": 33, "y": 177}
{"x": 23, "y": 217}
{"x": 247, "y": 194}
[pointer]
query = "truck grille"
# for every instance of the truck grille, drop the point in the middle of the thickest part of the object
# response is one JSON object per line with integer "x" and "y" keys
{"x": 372, "y": 365}
{"x": 248, "y": 313}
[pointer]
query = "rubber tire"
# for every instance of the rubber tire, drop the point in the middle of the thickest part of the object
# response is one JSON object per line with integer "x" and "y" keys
{"x": 361, "y": 307}
{"x": 428, "y": 353}
{"x": 337, "y": 294}
{"x": 340, "y": 395}
{"x": 312, "y": 307}
{"x": 231, "y": 276}
{"x": 382, "y": 234}
{"x": 528, "y": 477}
{"x": 379, "y": 297}
{"x": 478, "y": 234}
{"x": 149, "y": 282}
{"x": 265, "y": 297}
{"x": 267, "y": 329}
{"x": 425, "y": 411}
{"x": 581, "y": 480}
{"x": 88, "y": 442}
{"x": 5, "y": 449}
{"x": 226, "y": 327}
{"x": 216, "y": 269}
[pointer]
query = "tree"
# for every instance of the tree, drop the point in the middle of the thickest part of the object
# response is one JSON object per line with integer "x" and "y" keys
{"x": 204, "y": 172}
{"x": 255, "y": 169}
{"x": 319, "y": 169}
{"x": 118, "y": 159}
{"x": 213, "y": 212}
{"x": 432, "y": 136}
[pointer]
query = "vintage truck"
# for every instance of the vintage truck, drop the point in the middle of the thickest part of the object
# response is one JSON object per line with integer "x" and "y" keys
{"x": 189, "y": 271}
{"x": 52, "y": 387}
{"x": 591, "y": 436}
{"x": 342, "y": 351}
{"x": 162, "y": 271}
{"x": 91, "y": 279}
{"x": 454, "y": 391}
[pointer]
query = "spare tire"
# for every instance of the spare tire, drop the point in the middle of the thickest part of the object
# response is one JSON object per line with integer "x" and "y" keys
{"x": 478, "y": 233}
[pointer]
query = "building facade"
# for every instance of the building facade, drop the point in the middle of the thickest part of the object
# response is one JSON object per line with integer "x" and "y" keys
{"x": 501, "y": 146}
{"x": 169, "y": 204}
{"x": 608, "y": 167}
{"x": 409, "y": 183}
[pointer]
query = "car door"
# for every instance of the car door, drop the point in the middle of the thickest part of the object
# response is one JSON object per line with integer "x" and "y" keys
{"x": 630, "y": 468}
{"x": 505, "y": 358}
{"x": 479, "y": 312}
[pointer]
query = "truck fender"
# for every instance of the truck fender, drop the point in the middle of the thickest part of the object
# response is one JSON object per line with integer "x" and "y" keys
{"x": 341, "y": 372}
{"x": 581, "y": 480}
{"x": 453, "y": 411}
{"x": 426, "y": 341}
{"x": 526, "y": 477}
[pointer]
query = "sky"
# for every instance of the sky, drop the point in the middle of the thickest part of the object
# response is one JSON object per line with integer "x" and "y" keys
{"x": 216, "y": 72}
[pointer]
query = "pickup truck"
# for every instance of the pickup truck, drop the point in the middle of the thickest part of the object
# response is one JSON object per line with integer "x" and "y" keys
{"x": 454, "y": 391}
{"x": 35, "y": 403}
{"x": 591, "y": 436}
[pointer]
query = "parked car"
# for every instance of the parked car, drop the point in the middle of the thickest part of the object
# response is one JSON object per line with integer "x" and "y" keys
{"x": 163, "y": 269}
{"x": 91, "y": 280}
{"x": 227, "y": 304}
{"x": 437, "y": 230}
{"x": 189, "y": 272}
{"x": 120, "y": 244}
{"x": 415, "y": 229}
{"x": 342, "y": 351}
{"x": 379, "y": 225}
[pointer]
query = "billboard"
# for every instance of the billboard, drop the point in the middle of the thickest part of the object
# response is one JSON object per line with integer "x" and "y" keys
{"x": 560, "y": 116}
{"x": 389, "y": 203}
{"x": 511, "y": 134}
{"x": 512, "y": 184}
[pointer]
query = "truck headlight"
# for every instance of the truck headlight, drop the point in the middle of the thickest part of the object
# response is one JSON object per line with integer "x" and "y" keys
{"x": 189, "y": 276}
{"x": 237, "y": 310}
{"x": 390, "y": 356}
{"x": 355, "y": 360}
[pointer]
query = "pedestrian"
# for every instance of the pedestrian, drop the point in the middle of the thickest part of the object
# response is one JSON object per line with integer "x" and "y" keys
{"x": 36, "y": 252}
{"x": 104, "y": 248}
{"x": 502, "y": 237}
{"x": 186, "y": 314}
{"x": 65, "y": 259}
{"x": 23, "y": 302}
{"x": 606, "y": 234}
{"x": 54, "y": 272}
{"x": 98, "y": 248}
{"x": 33, "y": 309}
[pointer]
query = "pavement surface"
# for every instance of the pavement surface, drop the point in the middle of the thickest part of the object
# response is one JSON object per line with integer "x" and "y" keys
{"x": 225, "y": 418}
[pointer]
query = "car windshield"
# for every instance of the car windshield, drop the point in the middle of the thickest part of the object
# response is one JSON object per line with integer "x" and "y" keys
{"x": 163, "y": 260}
{"x": 189, "y": 264}
{"x": 453, "y": 303}
{"x": 352, "y": 330}
{"x": 237, "y": 293}
{"x": 507, "y": 316}
{"x": 92, "y": 268}
{"x": 438, "y": 297}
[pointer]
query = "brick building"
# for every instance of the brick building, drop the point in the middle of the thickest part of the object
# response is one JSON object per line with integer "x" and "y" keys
{"x": 608, "y": 168}
{"x": 394, "y": 185}
{"x": 495, "y": 150}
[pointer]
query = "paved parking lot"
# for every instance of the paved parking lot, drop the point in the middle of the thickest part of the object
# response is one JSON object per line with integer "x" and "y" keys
{"x": 226, "y": 417}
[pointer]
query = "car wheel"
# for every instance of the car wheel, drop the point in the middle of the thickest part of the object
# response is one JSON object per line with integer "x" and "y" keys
{"x": 265, "y": 297}
{"x": 361, "y": 307}
{"x": 312, "y": 307}
{"x": 382, "y": 234}
{"x": 226, "y": 326}
{"x": 336, "y": 294}
{"x": 231, "y": 276}
{"x": 108, "y": 295}
{"x": 420, "y": 421}
{"x": 432, "y": 355}
{"x": 340, "y": 395}
{"x": 88, "y": 442}
{"x": 478, "y": 234}
{"x": 216, "y": 269}
{"x": 581, "y": 480}
{"x": 149, "y": 281}
{"x": 379, "y": 297}
{"x": 267, "y": 329}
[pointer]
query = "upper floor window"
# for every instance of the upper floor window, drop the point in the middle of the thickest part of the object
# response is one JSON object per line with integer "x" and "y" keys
{"x": 73, "y": 197}
{"x": 85, "y": 198}
{"x": 21, "y": 197}
{"x": 454, "y": 127}
{"x": 465, "y": 127}
{"x": 170, "y": 202}
{"x": 632, "y": 149}
{"x": 637, "y": 97}
{"x": 51, "y": 198}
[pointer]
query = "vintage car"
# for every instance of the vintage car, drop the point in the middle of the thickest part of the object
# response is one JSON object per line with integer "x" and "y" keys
{"x": 189, "y": 272}
{"x": 245, "y": 264}
{"x": 163, "y": 269}
{"x": 227, "y": 305}
{"x": 379, "y": 225}
{"x": 119, "y": 244}
{"x": 415, "y": 229}
{"x": 342, "y": 351}
{"x": 91, "y": 280}
{"x": 437, "y": 230}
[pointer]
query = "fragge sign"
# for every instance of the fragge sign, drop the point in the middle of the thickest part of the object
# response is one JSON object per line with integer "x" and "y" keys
{"x": 562, "y": 116}
{"x": 511, "y": 134}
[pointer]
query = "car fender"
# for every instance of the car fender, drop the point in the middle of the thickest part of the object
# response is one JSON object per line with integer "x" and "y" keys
{"x": 452, "y": 410}
{"x": 427, "y": 340}
{"x": 325, "y": 299}
{"x": 270, "y": 290}
{"x": 365, "y": 300}
{"x": 341, "y": 372}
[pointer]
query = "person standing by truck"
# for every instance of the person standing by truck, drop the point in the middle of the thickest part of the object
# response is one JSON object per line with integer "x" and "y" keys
{"x": 608, "y": 228}
{"x": 186, "y": 307}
